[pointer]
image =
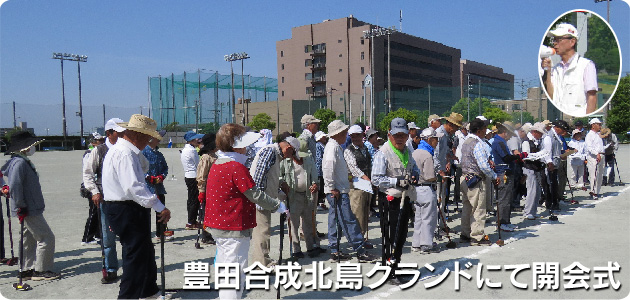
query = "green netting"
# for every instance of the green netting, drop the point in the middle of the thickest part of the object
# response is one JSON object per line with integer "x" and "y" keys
{"x": 179, "y": 98}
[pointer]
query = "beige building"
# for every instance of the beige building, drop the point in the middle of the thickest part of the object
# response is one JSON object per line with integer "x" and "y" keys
{"x": 537, "y": 104}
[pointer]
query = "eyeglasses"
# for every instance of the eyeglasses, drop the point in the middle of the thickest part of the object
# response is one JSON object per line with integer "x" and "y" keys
{"x": 558, "y": 38}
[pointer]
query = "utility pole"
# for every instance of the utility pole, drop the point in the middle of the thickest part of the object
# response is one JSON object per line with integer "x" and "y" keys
{"x": 372, "y": 33}
{"x": 14, "y": 118}
{"x": 78, "y": 59}
{"x": 468, "y": 94}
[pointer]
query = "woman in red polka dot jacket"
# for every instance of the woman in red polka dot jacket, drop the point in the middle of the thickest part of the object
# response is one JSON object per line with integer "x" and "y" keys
{"x": 231, "y": 199}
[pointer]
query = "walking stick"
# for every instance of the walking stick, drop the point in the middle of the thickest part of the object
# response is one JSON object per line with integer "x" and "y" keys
{"x": 21, "y": 286}
{"x": 13, "y": 259}
{"x": 337, "y": 199}
{"x": 163, "y": 228}
{"x": 290, "y": 229}
{"x": 200, "y": 220}
{"x": 499, "y": 241}
{"x": 381, "y": 208}
{"x": 282, "y": 218}
{"x": 450, "y": 243}
{"x": 618, "y": 174}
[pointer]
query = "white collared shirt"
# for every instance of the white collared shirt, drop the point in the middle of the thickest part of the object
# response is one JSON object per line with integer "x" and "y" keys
{"x": 594, "y": 143}
{"x": 190, "y": 160}
{"x": 334, "y": 169}
{"x": 123, "y": 177}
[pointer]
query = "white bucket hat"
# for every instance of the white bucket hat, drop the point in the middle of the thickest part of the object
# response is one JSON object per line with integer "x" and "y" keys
{"x": 335, "y": 127}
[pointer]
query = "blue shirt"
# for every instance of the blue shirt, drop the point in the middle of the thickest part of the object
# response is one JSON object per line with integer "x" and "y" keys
{"x": 500, "y": 150}
{"x": 370, "y": 149}
{"x": 157, "y": 166}
{"x": 319, "y": 154}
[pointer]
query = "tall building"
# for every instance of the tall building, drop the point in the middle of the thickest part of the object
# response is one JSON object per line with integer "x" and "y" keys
{"x": 485, "y": 80}
{"x": 330, "y": 60}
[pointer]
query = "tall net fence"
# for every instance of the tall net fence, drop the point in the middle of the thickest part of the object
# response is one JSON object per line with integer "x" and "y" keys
{"x": 202, "y": 97}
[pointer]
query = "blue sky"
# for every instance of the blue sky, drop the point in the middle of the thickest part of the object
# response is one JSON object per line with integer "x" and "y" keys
{"x": 127, "y": 41}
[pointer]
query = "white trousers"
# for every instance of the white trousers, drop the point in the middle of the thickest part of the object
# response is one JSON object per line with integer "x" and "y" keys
{"x": 595, "y": 172}
{"x": 232, "y": 250}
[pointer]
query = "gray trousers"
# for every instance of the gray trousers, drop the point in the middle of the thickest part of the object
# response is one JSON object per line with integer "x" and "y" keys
{"x": 426, "y": 216}
{"x": 562, "y": 178}
{"x": 506, "y": 192}
{"x": 301, "y": 210}
{"x": 533, "y": 192}
{"x": 39, "y": 244}
{"x": 261, "y": 236}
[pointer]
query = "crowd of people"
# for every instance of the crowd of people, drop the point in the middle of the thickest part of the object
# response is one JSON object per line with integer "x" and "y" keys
{"x": 236, "y": 178}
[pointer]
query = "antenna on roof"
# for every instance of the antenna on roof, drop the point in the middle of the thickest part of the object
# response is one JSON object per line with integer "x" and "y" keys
{"x": 400, "y": 20}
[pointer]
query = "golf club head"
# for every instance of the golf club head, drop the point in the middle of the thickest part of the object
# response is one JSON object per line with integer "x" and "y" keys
{"x": 500, "y": 243}
{"x": 198, "y": 246}
{"x": 553, "y": 218}
{"x": 22, "y": 287}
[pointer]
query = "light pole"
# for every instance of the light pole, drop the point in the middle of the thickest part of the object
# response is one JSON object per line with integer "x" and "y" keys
{"x": 372, "y": 33}
{"x": 331, "y": 99}
{"x": 78, "y": 59}
{"x": 232, "y": 57}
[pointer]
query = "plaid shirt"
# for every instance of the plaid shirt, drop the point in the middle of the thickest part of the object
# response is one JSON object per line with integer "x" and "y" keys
{"x": 265, "y": 161}
{"x": 319, "y": 154}
{"x": 482, "y": 156}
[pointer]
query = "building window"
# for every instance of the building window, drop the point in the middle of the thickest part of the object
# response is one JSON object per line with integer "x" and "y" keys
{"x": 282, "y": 93}
{"x": 339, "y": 41}
{"x": 341, "y": 84}
{"x": 282, "y": 79}
{"x": 362, "y": 41}
{"x": 340, "y": 70}
{"x": 363, "y": 83}
{"x": 340, "y": 55}
{"x": 281, "y": 53}
{"x": 282, "y": 66}
{"x": 362, "y": 55}
{"x": 308, "y": 76}
{"x": 516, "y": 107}
{"x": 362, "y": 71}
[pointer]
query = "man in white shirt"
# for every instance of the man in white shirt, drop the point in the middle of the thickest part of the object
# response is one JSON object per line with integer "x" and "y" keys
{"x": 190, "y": 160}
{"x": 594, "y": 156}
{"x": 127, "y": 203}
{"x": 572, "y": 83}
{"x": 414, "y": 136}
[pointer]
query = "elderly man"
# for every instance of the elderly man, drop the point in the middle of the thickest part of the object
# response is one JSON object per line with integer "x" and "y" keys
{"x": 426, "y": 198}
{"x": 92, "y": 180}
{"x": 434, "y": 121}
{"x": 443, "y": 158}
{"x": 533, "y": 168}
{"x": 190, "y": 160}
{"x": 572, "y": 83}
{"x": 360, "y": 165}
{"x": 612, "y": 145}
{"x": 321, "y": 138}
{"x": 393, "y": 172}
{"x": 414, "y": 137}
{"x": 595, "y": 152}
{"x": 337, "y": 187}
{"x": 265, "y": 171}
{"x": 553, "y": 138}
{"x": 310, "y": 126}
{"x": 127, "y": 207}
{"x": 475, "y": 167}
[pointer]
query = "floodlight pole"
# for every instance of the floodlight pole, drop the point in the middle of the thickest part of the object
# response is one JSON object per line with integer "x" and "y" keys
{"x": 231, "y": 58}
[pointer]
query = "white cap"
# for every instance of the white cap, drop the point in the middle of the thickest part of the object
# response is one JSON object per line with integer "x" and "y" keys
{"x": 355, "y": 129}
{"x": 430, "y": 132}
{"x": 295, "y": 143}
{"x": 539, "y": 126}
{"x": 412, "y": 125}
{"x": 245, "y": 140}
{"x": 564, "y": 29}
{"x": 594, "y": 120}
{"x": 97, "y": 136}
{"x": 113, "y": 124}
{"x": 319, "y": 135}
{"x": 482, "y": 118}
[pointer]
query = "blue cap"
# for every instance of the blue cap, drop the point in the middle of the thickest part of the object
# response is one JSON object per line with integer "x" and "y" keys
{"x": 398, "y": 125}
{"x": 191, "y": 135}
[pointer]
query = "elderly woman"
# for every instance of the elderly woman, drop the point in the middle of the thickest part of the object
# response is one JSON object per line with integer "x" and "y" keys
{"x": 231, "y": 198}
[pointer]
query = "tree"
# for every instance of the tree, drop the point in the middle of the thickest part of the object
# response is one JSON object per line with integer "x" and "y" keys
{"x": 174, "y": 127}
{"x": 421, "y": 117}
{"x": 496, "y": 115}
{"x": 327, "y": 116}
{"x": 618, "y": 119}
{"x": 461, "y": 107}
{"x": 262, "y": 121}
{"x": 527, "y": 117}
{"x": 209, "y": 127}
{"x": 400, "y": 113}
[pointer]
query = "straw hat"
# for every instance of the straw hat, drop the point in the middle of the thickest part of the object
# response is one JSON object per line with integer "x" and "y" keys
{"x": 455, "y": 119}
{"x": 604, "y": 133}
{"x": 142, "y": 124}
{"x": 507, "y": 127}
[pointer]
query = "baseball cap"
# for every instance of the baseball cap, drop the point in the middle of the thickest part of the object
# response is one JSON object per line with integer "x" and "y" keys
{"x": 398, "y": 125}
{"x": 562, "y": 124}
{"x": 430, "y": 132}
{"x": 191, "y": 135}
{"x": 295, "y": 143}
{"x": 319, "y": 135}
{"x": 370, "y": 132}
{"x": 594, "y": 120}
{"x": 564, "y": 29}
{"x": 355, "y": 129}
{"x": 113, "y": 124}
{"x": 412, "y": 125}
{"x": 575, "y": 131}
{"x": 308, "y": 119}
{"x": 433, "y": 118}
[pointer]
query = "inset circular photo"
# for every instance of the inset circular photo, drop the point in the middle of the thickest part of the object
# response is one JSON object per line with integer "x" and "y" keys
{"x": 579, "y": 63}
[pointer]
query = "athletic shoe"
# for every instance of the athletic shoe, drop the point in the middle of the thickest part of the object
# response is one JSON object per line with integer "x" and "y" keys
{"x": 427, "y": 249}
{"x": 313, "y": 253}
{"x": 464, "y": 239}
{"x": 338, "y": 256}
{"x": 319, "y": 250}
{"x": 46, "y": 275}
{"x": 190, "y": 226}
{"x": 111, "y": 277}
{"x": 512, "y": 225}
{"x": 530, "y": 217}
{"x": 26, "y": 275}
{"x": 366, "y": 258}
{"x": 368, "y": 245}
{"x": 298, "y": 255}
{"x": 482, "y": 242}
{"x": 394, "y": 281}
{"x": 321, "y": 234}
{"x": 415, "y": 249}
{"x": 505, "y": 227}
{"x": 573, "y": 202}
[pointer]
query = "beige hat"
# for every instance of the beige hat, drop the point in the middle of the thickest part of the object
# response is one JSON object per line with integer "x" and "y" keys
{"x": 455, "y": 119}
{"x": 433, "y": 118}
{"x": 142, "y": 124}
{"x": 335, "y": 127}
{"x": 604, "y": 133}
{"x": 546, "y": 122}
{"x": 526, "y": 127}
{"x": 539, "y": 126}
{"x": 575, "y": 131}
{"x": 308, "y": 119}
